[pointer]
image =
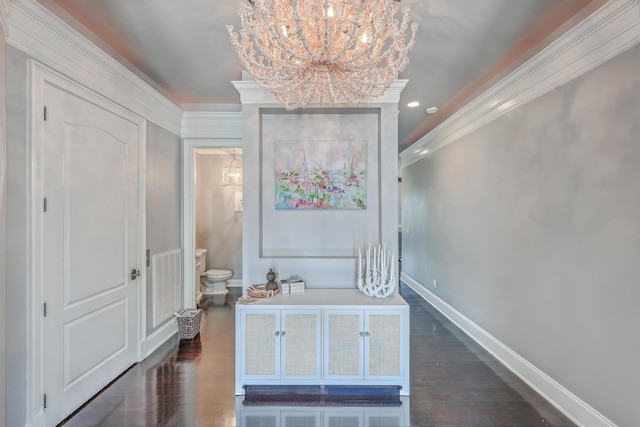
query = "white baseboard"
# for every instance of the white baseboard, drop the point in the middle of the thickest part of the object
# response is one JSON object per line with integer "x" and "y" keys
{"x": 234, "y": 283}
{"x": 568, "y": 403}
{"x": 159, "y": 337}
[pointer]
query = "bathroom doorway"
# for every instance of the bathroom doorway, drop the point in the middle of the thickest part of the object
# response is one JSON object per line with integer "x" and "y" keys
{"x": 212, "y": 212}
{"x": 218, "y": 216}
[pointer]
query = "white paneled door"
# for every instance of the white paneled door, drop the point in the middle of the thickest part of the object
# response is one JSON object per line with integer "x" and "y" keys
{"x": 90, "y": 244}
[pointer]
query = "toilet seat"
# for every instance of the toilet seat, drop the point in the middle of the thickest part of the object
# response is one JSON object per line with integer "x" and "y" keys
{"x": 217, "y": 275}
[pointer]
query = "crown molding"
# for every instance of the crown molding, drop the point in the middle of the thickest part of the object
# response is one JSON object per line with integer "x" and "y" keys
{"x": 4, "y": 13}
{"x": 36, "y": 31}
{"x": 613, "y": 28}
{"x": 211, "y": 124}
{"x": 252, "y": 93}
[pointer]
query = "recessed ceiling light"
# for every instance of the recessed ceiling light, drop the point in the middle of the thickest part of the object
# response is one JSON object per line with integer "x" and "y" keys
{"x": 413, "y": 104}
{"x": 432, "y": 110}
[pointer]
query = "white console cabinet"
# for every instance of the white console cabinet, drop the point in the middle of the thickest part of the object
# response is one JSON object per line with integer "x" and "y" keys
{"x": 323, "y": 337}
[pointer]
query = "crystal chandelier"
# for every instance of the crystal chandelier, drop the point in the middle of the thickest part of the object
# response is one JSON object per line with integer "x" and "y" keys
{"x": 232, "y": 173}
{"x": 322, "y": 51}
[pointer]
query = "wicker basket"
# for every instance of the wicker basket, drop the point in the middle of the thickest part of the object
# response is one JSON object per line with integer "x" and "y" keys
{"x": 189, "y": 323}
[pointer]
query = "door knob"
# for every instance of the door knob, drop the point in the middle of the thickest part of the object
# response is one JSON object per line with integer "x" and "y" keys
{"x": 135, "y": 274}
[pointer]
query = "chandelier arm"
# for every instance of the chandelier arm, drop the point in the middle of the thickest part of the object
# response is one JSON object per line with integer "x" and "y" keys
{"x": 291, "y": 53}
{"x": 327, "y": 39}
{"x": 373, "y": 52}
{"x": 352, "y": 40}
{"x": 276, "y": 38}
{"x": 297, "y": 19}
{"x": 353, "y": 90}
{"x": 375, "y": 44}
{"x": 401, "y": 50}
{"x": 375, "y": 47}
{"x": 252, "y": 31}
{"x": 284, "y": 94}
{"x": 246, "y": 59}
{"x": 243, "y": 43}
{"x": 379, "y": 34}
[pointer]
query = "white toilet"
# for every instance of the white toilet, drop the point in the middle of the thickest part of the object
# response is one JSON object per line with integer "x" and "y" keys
{"x": 214, "y": 281}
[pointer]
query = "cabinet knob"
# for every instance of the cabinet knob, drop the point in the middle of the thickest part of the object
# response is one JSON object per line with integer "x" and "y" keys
{"x": 283, "y": 333}
{"x": 362, "y": 334}
{"x": 366, "y": 334}
{"x": 277, "y": 333}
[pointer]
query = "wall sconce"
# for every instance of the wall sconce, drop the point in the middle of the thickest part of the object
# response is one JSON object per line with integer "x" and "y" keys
{"x": 232, "y": 173}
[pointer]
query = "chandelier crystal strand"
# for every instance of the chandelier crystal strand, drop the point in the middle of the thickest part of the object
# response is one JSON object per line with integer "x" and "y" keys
{"x": 306, "y": 51}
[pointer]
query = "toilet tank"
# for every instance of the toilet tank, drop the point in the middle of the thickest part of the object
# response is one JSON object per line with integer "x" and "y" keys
{"x": 201, "y": 262}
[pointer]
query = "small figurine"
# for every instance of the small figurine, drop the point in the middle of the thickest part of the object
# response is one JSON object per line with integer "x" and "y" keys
{"x": 271, "y": 285}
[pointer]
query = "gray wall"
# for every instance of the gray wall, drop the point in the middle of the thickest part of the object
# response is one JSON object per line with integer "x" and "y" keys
{"x": 163, "y": 200}
{"x": 3, "y": 229}
{"x": 531, "y": 227}
{"x": 218, "y": 226}
{"x": 16, "y": 260}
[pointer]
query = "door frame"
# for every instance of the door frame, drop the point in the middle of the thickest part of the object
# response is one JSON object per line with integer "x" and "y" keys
{"x": 38, "y": 76}
{"x": 189, "y": 147}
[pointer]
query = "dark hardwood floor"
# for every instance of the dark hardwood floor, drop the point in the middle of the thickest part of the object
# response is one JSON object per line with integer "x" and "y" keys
{"x": 188, "y": 383}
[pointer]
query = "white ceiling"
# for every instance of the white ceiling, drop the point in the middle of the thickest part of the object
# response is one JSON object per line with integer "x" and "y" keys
{"x": 462, "y": 47}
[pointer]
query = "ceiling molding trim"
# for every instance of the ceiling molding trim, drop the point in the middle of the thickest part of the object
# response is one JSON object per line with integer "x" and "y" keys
{"x": 40, "y": 34}
{"x": 4, "y": 14}
{"x": 610, "y": 30}
{"x": 252, "y": 93}
{"x": 210, "y": 124}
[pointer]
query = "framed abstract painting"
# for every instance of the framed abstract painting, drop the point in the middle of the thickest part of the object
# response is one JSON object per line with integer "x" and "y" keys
{"x": 313, "y": 174}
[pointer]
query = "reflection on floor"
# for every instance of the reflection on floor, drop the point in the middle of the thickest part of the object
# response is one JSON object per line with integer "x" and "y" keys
{"x": 396, "y": 415}
{"x": 191, "y": 384}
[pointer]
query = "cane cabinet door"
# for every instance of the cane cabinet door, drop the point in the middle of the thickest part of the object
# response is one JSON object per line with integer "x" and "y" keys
{"x": 343, "y": 344}
{"x": 364, "y": 344}
{"x": 281, "y": 344}
{"x": 384, "y": 346}
{"x": 300, "y": 333}
{"x": 261, "y": 356}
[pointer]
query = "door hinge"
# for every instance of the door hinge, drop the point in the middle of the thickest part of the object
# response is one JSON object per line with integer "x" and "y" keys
{"x": 45, "y": 204}
{"x": 45, "y": 113}
{"x": 44, "y": 401}
{"x": 44, "y": 310}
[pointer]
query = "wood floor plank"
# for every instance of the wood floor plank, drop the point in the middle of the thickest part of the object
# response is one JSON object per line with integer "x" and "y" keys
{"x": 190, "y": 383}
